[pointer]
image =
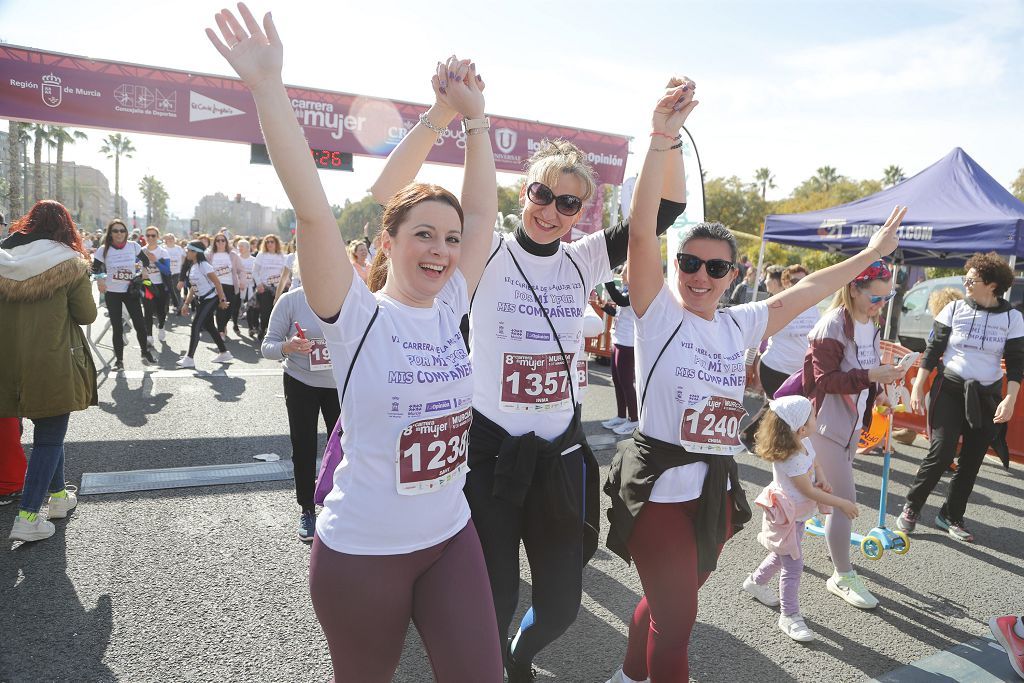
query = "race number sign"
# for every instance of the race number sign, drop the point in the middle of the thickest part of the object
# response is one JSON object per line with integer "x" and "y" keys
{"x": 712, "y": 425}
{"x": 320, "y": 355}
{"x": 582, "y": 375}
{"x": 534, "y": 382}
{"x": 432, "y": 453}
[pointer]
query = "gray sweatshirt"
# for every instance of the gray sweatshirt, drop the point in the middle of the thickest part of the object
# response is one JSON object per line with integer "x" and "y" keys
{"x": 292, "y": 308}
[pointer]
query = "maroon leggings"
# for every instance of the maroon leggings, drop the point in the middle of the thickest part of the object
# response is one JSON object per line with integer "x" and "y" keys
{"x": 664, "y": 548}
{"x": 623, "y": 377}
{"x": 364, "y": 603}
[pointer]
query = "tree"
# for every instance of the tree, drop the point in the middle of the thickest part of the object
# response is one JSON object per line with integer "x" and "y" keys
{"x": 1018, "y": 186}
{"x": 114, "y": 147}
{"x": 14, "y": 198}
{"x": 41, "y": 134}
{"x": 62, "y": 137}
{"x": 735, "y": 204}
{"x": 826, "y": 177}
{"x": 765, "y": 179}
{"x": 155, "y": 196}
{"x": 355, "y": 215}
{"x": 892, "y": 175}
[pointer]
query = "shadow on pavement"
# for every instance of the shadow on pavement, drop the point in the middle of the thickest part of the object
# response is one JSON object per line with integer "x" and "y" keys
{"x": 717, "y": 655}
{"x": 35, "y": 589}
{"x": 143, "y": 402}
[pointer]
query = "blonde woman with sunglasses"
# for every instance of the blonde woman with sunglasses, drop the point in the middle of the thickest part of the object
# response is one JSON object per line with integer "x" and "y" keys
{"x": 266, "y": 276}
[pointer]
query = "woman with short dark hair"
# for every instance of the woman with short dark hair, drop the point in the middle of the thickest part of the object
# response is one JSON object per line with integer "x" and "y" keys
{"x": 116, "y": 263}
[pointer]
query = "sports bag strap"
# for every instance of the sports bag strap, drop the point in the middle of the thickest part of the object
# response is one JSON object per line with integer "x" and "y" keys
{"x": 647, "y": 384}
{"x": 359, "y": 348}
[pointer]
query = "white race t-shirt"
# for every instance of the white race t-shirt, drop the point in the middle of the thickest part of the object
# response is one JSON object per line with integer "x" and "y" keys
{"x": 267, "y": 270}
{"x": 152, "y": 271}
{"x": 177, "y": 255}
{"x": 787, "y": 347}
{"x": 289, "y": 261}
{"x": 867, "y": 357}
{"x": 407, "y": 415}
{"x": 797, "y": 464}
{"x": 121, "y": 265}
{"x": 247, "y": 264}
{"x": 977, "y": 340}
{"x": 696, "y": 394}
{"x": 198, "y": 277}
{"x": 624, "y": 326}
{"x": 222, "y": 265}
{"x": 521, "y": 380}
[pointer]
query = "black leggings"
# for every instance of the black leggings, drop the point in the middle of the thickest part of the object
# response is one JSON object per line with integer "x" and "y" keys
{"x": 114, "y": 301}
{"x": 305, "y": 404}
{"x": 266, "y": 302}
{"x": 172, "y": 291}
{"x": 155, "y": 306}
{"x": 556, "y": 558}
{"x": 204, "y": 320}
{"x": 949, "y": 422}
{"x": 229, "y": 313}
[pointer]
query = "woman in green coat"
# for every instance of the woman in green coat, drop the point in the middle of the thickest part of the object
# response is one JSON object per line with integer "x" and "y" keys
{"x": 48, "y": 371}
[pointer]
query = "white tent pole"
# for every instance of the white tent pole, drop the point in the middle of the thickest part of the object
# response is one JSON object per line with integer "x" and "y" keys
{"x": 760, "y": 264}
{"x": 1013, "y": 261}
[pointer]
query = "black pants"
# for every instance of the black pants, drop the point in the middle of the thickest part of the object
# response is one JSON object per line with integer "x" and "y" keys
{"x": 114, "y": 301}
{"x": 229, "y": 313}
{"x": 172, "y": 291}
{"x": 266, "y": 302}
{"x": 771, "y": 380}
{"x": 203, "y": 320}
{"x": 157, "y": 306}
{"x": 556, "y": 559}
{"x": 305, "y": 405}
{"x": 252, "y": 315}
{"x": 948, "y": 422}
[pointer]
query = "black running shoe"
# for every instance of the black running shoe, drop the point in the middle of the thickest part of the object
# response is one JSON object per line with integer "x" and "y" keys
{"x": 148, "y": 357}
{"x": 118, "y": 365}
{"x": 307, "y": 526}
{"x": 517, "y": 673}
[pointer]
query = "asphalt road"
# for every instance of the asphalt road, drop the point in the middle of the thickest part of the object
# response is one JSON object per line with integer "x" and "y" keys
{"x": 206, "y": 584}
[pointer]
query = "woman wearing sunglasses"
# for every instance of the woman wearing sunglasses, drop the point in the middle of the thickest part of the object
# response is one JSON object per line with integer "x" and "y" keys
{"x": 671, "y": 512}
{"x": 116, "y": 263}
{"x": 971, "y": 336}
{"x": 266, "y": 275}
{"x": 395, "y": 540}
{"x": 532, "y": 475}
{"x": 158, "y": 272}
{"x": 229, "y": 271}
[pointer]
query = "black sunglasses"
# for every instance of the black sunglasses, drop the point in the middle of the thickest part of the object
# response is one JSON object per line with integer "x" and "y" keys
{"x": 116, "y": 230}
{"x": 717, "y": 267}
{"x": 565, "y": 204}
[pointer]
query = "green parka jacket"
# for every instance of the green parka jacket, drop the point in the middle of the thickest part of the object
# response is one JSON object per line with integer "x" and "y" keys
{"x": 46, "y": 368}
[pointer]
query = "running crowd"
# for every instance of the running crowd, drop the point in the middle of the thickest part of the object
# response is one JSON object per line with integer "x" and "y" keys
{"x": 438, "y": 482}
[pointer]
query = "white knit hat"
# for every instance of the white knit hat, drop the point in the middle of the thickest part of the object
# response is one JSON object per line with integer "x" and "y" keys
{"x": 794, "y": 410}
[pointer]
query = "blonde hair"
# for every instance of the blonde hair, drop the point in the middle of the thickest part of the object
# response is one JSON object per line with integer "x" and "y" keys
{"x": 555, "y": 157}
{"x": 940, "y": 298}
{"x": 775, "y": 440}
{"x": 845, "y": 299}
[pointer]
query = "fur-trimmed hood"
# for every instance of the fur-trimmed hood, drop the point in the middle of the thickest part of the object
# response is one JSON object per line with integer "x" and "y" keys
{"x": 31, "y": 272}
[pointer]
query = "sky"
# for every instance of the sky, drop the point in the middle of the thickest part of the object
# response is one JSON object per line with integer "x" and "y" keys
{"x": 788, "y": 85}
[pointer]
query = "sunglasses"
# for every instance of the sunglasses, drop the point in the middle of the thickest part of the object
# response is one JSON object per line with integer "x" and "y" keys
{"x": 717, "y": 267}
{"x": 149, "y": 234}
{"x": 115, "y": 231}
{"x": 874, "y": 298}
{"x": 969, "y": 281}
{"x": 565, "y": 204}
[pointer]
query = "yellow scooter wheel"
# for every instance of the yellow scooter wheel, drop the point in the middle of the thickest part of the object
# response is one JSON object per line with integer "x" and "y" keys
{"x": 871, "y": 547}
{"x": 901, "y": 549}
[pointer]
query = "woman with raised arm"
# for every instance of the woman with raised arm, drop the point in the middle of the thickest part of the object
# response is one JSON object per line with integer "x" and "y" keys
{"x": 671, "y": 512}
{"x": 395, "y": 539}
{"x": 533, "y": 477}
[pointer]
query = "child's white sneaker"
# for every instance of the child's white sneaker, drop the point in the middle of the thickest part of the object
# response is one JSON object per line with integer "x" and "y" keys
{"x": 793, "y": 626}
{"x": 620, "y": 677}
{"x": 765, "y": 594}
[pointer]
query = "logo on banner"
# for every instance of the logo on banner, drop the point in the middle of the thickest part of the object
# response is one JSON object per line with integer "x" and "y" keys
{"x": 203, "y": 108}
{"x": 51, "y": 90}
{"x": 832, "y": 228}
{"x": 505, "y": 139}
{"x": 138, "y": 99}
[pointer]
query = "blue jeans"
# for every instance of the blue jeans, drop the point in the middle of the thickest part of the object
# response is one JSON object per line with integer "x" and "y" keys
{"x": 45, "y": 473}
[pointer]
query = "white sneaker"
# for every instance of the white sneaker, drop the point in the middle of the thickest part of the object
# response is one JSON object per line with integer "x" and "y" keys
{"x": 25, "y": 530}
{"x": 58, "y": 508}
{"x": 764, "y": 594}
{"x": 225, "y": 357}
{"x": 852, "y": 589}
{"x": 149, "y": 341}
{"x": 619, "y": 677}
{"x": 185, "y": 362}
{"x": 627, "y": 427}
{"x": 794, "y": 627}
{"x": 162, "y": 335}
{"x": 614, "y": 422}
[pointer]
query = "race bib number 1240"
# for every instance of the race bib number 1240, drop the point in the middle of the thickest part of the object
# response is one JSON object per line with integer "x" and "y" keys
{"x": 712, "y": 426}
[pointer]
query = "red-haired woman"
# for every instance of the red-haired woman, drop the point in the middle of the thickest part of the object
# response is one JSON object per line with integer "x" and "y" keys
{"x": 48, "y": 372}
{"x": 395, "y": 540}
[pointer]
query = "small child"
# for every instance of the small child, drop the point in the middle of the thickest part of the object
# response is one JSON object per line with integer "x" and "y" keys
{"x": 798, "y": 489}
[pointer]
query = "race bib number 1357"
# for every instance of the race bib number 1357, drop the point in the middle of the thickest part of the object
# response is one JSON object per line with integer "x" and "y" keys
{"x": 533, "y": 382}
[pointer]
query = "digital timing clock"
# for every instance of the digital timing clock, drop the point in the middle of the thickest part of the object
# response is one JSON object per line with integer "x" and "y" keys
{"x": 323, "y": 158}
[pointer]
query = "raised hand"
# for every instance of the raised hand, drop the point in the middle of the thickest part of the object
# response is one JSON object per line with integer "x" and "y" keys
{"x": 674, "y": 106}
{"x": 255, "y": 53}
{"x": 458, "y": 88}
{"x": 885, "y": 241}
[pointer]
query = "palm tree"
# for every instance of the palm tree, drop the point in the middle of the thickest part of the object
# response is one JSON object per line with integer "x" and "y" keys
{"x": 115, "y": 146}
{"x": 41, "y": 134}
{"x": 156, "y": 200}
{"x": 826, "y": 177}
{"x": 892, "y": 175}
{"x": 765, "y": 179}
{"x": 15, "y": 137}
{"x": 62, "y": 137}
